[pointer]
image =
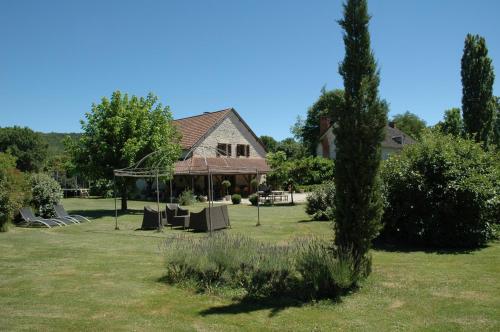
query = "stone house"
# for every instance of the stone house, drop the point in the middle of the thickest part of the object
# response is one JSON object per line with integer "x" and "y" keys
{"x": 393, "y": 142}
{"x": 220, "y": 143}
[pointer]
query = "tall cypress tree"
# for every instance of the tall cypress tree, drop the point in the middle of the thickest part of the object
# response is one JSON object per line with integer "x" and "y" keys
{"x": 359, "y": 131}
{"x": 478, "y": 105}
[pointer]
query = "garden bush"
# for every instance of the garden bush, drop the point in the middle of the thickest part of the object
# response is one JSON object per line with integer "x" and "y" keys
{"x": 297, "y": 269}
{"x": 236, "y": 199}
{"x": 14, "y": 190}
{"x": 45, "y": 193}
{"x": 442, "y": 191}
{"x": 321, "y": 202}
{"x": 103, "y": 188}
{"x": 186, "y": 198}
{"x": 253, "y": 198}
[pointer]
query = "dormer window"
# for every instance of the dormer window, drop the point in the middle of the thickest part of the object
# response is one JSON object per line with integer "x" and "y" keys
{"x": 398, "y": 139}
{"x": 242, "y": 150}
{"x": 223, "y": 149}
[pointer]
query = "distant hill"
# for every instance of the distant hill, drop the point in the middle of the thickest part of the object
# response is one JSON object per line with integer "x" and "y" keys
{"x": 55, "y": 141}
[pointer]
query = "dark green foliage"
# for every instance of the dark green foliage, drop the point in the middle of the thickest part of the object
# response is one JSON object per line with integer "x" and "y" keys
{"x": 119, "y": 132}
{"x": 477, "y": 89}
{"x": 326, "y": 105}
{"x": 236, "y": 199}
{"x": 496, "y": 124}
{"x": 291, "y": 148}
{"x": 253, "y": 198}
{"x": 321, "y": 202}
{"x": 410, "y": 124}
{"x": 102, "y": 188}
{"x": 301, "y": 172}
{"x": 452, "y": 123}
{"x": 269, "y": 143}
{"x": 29, "y": 148}
{"x": 298, "y": 269}
{"x": 360, "y": 131}
{"x": 186, "y": 198}
{"x": 55, "y": 141}
{"x": 226, "y": 184}
{"x": 443, "y": 191}
{"x": 45, "y": 193}
{"x": 14, "y": 190}
{"x": 311, "y": 170}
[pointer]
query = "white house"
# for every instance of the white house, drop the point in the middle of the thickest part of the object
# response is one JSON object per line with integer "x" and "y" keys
{"x": 393, "y": 142}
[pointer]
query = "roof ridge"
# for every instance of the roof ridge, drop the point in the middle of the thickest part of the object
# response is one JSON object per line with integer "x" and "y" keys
{"x": 204, "y": 114}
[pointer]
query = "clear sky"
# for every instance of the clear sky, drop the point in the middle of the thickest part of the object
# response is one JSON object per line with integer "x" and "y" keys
{"x": 268, "y": 59}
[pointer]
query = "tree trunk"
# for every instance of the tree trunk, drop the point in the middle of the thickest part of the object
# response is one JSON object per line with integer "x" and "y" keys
{"x": 124, "y": 197}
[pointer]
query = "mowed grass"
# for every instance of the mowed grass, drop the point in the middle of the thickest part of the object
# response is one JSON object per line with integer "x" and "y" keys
{"x": 91, "y": 277}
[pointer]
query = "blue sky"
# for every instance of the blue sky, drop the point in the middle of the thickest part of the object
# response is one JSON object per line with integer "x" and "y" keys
{"x": 267, "y": 59}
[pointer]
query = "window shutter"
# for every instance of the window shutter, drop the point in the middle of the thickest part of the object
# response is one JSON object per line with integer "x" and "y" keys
{"x": 229, "y": 150}
{"x": 248, "y": 151}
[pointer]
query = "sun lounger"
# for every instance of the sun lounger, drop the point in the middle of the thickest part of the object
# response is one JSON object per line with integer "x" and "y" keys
{"x": 62, "y": 214}
{"x": 30, "y": 220}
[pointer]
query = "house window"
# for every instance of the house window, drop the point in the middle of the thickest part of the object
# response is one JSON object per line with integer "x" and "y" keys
{"x": 223, "y": 149}
{"x": 242, "y": 150}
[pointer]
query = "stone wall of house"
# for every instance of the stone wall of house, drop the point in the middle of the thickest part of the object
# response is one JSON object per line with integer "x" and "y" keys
{"x": 231, "y": 131}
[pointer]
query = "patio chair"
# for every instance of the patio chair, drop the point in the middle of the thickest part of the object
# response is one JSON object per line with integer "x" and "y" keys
{"x": 176, "y": 216}
{"x": 150, "y": 219}
{"x": 30, "y": 220}
{"x": 62, "y": 214}
{"x": 200, "y": 221}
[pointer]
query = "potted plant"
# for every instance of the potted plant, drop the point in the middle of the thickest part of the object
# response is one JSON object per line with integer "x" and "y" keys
{"x": 226, "y": 184}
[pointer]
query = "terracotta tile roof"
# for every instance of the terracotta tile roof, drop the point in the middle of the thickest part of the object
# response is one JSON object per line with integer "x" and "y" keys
{"x": 194, "y": 127}
{"x": 198, "y": 165}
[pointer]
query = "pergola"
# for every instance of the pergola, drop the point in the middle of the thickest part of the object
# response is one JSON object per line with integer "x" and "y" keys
{"x": 202, "y": 164}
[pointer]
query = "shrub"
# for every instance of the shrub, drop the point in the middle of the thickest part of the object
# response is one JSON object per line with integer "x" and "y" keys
{"x": 442, "y": 191}
{"x": 253, "y": 199}
{"x": 186, "y": 198}
{"x": 321, "y": 202}
{"x": 103, "y": 188}
{"x": 327, "y": 272}
{"x": 236, "y": 199}
{"x": 45, "y": 193}
{"x": 259, "y": 269}
{"x": 254, "y": 184}
{"x": 226, "y": 184}
{"x": 14, "y": 190}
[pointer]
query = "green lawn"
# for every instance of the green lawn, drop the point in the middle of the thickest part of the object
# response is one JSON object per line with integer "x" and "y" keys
{"x": 91, "y": 277}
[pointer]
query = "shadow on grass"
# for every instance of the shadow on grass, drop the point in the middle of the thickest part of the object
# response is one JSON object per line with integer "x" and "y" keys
{"x": 247, "y": 305}
{"x": 313, "y": 221}
{"x": 101, "y": 213}
{"x": 381, "y": 245}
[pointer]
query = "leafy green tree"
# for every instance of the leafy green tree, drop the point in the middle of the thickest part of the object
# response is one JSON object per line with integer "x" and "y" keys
{"x": 269, "y": 143}
{"x": 410, "y": 124}
{"x": 496, "y": 126}
{"x": 307, "y": 131}
{"x": 359, "y": 134}
{"x": 121, "y": 131}
{"x": 28, "y": 147}
{"x": 277, "y": 161}
{"x": 477, "y": 89}
{"x": 291, "y": 148}
{"x": 452, "y": 123}
{"x": 14, "y": 190}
